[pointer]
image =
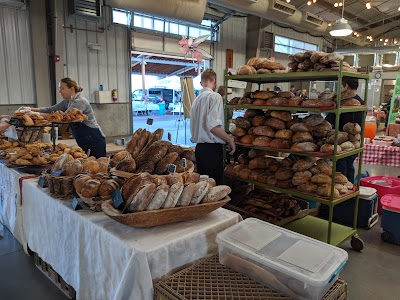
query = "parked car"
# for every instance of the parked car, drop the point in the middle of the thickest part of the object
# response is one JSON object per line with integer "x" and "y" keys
{"x": 166, "y": 95}
{"x": 137, "y": 95}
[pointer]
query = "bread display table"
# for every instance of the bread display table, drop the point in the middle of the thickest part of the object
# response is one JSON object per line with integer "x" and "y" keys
{"x": 103, "y": 259}
{"x": 10, "y": 202}
{"x": 381, "y": 155}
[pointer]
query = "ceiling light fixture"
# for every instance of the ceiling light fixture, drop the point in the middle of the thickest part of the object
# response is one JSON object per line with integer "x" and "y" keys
{"x": 288, "y": 1}
{"x": 368, "y": 5}
{"x": 309, "y": 3}
{"x": 336, "y": 4}
{"x": 314, "y": 1}
{"x": 340, "y": 4}
{"x": 381, "y": 40}
{"x": 341, "y": 26}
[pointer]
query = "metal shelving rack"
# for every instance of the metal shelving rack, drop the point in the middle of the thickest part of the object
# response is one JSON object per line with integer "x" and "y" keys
{"x": 323, "y": 230}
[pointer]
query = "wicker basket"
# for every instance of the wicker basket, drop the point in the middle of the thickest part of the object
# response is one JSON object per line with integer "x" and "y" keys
{"x": 208, "y": 279}
{"x": 61, "y": 186}
{"x": 28, "y": 135}
{"x": 161, "y": 216}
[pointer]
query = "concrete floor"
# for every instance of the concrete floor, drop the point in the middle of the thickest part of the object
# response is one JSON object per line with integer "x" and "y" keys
{"x": 372, "y": 274}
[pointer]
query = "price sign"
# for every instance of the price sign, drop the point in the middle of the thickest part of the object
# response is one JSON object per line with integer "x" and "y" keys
{"x": 184, "y": 163}
{"x": 150, "y": 121}
{"x": 16, "y": 122}
{"x": 75, "y": 204}
{"x": 117, "y": 199}
{"x": 56, "y": 172}
{"x": 171, "y": 168}
{"x": 42, "y": 182}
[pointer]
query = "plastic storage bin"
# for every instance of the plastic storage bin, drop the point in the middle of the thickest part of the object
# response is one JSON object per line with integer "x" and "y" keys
{"x": 367, "y": 209}
{"x": 390, "y": 221}
{"x": 384, "y": 185}
{"x": 294, "y": 264}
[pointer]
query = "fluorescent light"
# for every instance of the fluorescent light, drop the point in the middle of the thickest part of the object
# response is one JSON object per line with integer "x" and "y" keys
{"x": 341, "y": 28}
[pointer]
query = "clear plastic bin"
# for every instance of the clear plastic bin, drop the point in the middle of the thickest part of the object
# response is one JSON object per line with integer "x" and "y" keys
{"x": 294, "y": 264}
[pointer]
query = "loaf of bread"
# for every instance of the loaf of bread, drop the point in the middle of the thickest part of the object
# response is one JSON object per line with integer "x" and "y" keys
{"x": 73, "y": 168}
{"x": 284, "y": 174}
{"x": 282, "y": 115}
{"x": 316, "y": 57}
{"x": 254, "y": 61}
{"x": 301, "y": 177}
{"x": 270, "y": 65}
{"x": 62, "y": 160}
{"x": 277, "y": 101}
{"x": 154, "y": 153}
{"x": 313, "y": 120}
{"x": 127, "y": 165}
{"x": 148, "y": 166}
{"x": 296, "y": 101}
{"x": 317, "y": 103}
{"x": 191, "y": 177}
{"x": 245, "y": 101}
{"x": 285, "y": 134}
{"x": 163, "y": 164}
{"x": 264, "y": 130}
{"x": 79, "y": 181}
{"x": 200, "y": 192}
{"x": 340, "y": 178}
{"x": 251, "y": 113}
{"x": 258, "y": 121}
{"x": 247, "y": 139}
{"x": 275, "y": 123}
{"x": 300, "y": 127}
{"x": 242, "y": 122}
{"x": 238, "y": 131}
{"x": 107, "y": 187}
{"x": 325, "y": 148}
{"x": 244, "y": 174}
{"x": 324, "y": 167}
{"x": 119, "y": 157}
{"x": 342, "y": 137}
{"x": 159, "y": 197}
{"x": 304, "y": 147}
{"x": 271, "y": 180}
{"x": 186, "y": 196}
{"x": 90, "y": 188}
{"x": 289, "y": 161}
{"x": 350, "y": 102}
{"x": 256, "y": 153}
{"x": 246, "y": 70}
{"x": 302, "y": 136}
{"x": 188, "y": 154}
{"x": 284, "y": 184}
{"x": 352, "y": 128}
{"x": 237, "y": 169}
{"x": 263, "y": 71}
{"x": 280, "y": 144}
{"x": 307, "y": 187}
{"x": 217, "y": 193}
{"x": 321, "y": 179}
{"x": 133, "y": 185}
{"x": 259, "y": 163}
{"x": 263, "y": 95}
{"x": 91, "y": 166}
{"x": 303, "y": 165}
{"x": 325, "y": 191}
{"x": 254, "y": 175}
{"x": 142, "y": 198}
{"x": 103, "y": 164}
{"x": 341, "y": 188}
{"x": 285, "y": 94}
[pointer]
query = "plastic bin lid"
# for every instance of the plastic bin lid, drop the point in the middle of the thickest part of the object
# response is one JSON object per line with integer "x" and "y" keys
{"x": 391, "y": 202}
{"x": 291, "y": 253}
{"x": 367, "y": 192}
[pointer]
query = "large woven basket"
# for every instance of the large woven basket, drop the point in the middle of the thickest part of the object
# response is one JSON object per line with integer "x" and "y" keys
{"x": 61, "y": 186}
{"x": 161, "y": 216}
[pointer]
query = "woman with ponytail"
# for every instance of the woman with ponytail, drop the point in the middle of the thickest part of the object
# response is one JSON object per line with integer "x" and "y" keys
{"x": 88, "y": 134}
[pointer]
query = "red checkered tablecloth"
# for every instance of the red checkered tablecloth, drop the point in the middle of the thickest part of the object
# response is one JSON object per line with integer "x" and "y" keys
{"x": 381, "y": 155}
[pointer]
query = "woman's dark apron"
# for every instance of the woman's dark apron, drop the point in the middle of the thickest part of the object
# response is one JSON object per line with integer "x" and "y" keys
{"x": 89, "y": 138}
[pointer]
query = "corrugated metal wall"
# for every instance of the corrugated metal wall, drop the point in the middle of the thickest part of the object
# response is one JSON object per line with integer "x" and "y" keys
{"x": 16, "y": 65}
{"x": 232, "y": 36}
{"x": 91, "y": 68}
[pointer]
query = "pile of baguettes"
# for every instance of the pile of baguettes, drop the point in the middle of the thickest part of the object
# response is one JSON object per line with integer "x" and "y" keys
{"x": 146, "y": 152}
{"x": 278, "y": 130}
{"x": 150, "y": 192}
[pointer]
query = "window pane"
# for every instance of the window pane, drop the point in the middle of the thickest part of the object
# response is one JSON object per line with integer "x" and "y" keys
{"x": 173, "y": 28}
{"x": 206, "y": 23}
{"x": 281, "y": 40}
{"x": 297, "y": 44}
{"x": 205, "y": 32}
{"x": 120, "y": 17}
{"x": 281, "y": 49}
{"x": 194, "y": 32}
{"x": 147, "y": 23}
{"x": 183, "y": 30}
{"x": 158, "y": 25}
{"x": 137, "y": 21}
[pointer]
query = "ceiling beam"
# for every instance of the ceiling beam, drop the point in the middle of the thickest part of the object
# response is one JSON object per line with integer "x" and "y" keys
{"x": 180, "y": 71}
{"x": 163, "y": 62}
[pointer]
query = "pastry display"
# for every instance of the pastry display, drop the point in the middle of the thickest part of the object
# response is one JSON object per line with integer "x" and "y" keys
{"x": 259, "y": 65}
{"x": 318, "y": 61}
{"x": 30, "y": 154}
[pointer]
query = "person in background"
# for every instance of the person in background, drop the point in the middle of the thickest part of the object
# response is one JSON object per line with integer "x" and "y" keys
{"x": 304, "y": 94}
{"x": 88, "y": 134}
{"x": 206, "y": 128}
{"x": 346, "y": 165}
{"x": 4, "y": 125}
{"x": 221, "y": 91}
{"x": 293, "y": 89}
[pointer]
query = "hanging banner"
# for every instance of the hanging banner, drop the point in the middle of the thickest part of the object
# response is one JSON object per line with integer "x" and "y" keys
{"x": 395, "y": 102}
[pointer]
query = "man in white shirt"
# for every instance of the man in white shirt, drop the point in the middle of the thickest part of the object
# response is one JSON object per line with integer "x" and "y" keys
{"x": 206, "y": 127}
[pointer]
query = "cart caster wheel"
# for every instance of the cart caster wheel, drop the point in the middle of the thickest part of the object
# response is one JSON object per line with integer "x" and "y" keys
{"x": 357, "y": 243}
{"x": 387, "y": 237}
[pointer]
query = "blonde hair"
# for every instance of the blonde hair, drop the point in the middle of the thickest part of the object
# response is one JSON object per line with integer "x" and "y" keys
{"x": 208, "y": 74}
{"x": 72, "y": 83}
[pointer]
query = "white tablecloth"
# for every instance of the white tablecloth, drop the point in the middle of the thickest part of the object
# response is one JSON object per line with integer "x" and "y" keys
{"x": 103, "y": 259}
{"x": 10, "y": 202}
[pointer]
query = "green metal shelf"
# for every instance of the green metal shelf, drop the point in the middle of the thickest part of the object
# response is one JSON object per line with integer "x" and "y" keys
{"x": 307, "y": 154}
{"x": 294, "y": 76}
{"x": 318, "y": 229}
{"x": 302, "y": 195}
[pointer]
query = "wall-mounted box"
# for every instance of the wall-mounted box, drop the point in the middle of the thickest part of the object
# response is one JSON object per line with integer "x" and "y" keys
{"x": 103, "y": 97}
